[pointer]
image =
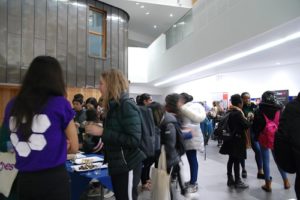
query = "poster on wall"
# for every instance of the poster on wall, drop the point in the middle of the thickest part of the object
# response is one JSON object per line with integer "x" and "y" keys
{"x": 282, "y": 96}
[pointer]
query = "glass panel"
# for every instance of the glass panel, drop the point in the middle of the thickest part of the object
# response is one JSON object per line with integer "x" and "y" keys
{"x": 95, "y": 45}
{"x": 95, "y": 21}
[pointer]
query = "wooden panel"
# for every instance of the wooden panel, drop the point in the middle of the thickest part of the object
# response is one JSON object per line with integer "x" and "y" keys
{"x": 3, "y": 40}
{"x": 114, "y": 39}
{"x": 121, "y": 41}
{"x": 107, "y": 61}
{"x": 27, "y": 46}
{"x": 86, "y": 92}
{"x": 29, "y": 28}
{"x": 81, "y": 44}
{"x": 40, "y": 8}
{"x": 14, "y": 16}
{"x": 13, "y": 58}
{"x": 51, "y": 28}
{"x": 126, "y": 48}
{"x": 6, "y": 93}
{"x": 72, "y": 44}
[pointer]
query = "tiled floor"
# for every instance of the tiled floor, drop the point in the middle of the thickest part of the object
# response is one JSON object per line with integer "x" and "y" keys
{"x": 212, "y": 180}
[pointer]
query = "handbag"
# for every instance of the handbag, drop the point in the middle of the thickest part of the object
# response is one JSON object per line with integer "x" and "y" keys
{"x": 8, "y": 172}
{"x": 161, "y": 179}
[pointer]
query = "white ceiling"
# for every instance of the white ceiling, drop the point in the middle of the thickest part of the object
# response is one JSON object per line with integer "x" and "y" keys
{"x": 281, "y": 55}
{"x": 141, "y": 26}
{"x": 142, "y": 33}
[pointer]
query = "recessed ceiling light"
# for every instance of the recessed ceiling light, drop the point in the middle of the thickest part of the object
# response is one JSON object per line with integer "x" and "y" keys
{"x": 174, "y": 25}
{"x": 278, "y": 63}
{"x": 137, "y": 3}
{"x": 155, "y": 26}
{"x": 142, "y": 6}
{"x": 171, "y": 15}
{"x": 147, "y": 13}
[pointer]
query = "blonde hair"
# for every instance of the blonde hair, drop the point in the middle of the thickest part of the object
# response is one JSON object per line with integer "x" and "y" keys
{"x": 116, "y": 83}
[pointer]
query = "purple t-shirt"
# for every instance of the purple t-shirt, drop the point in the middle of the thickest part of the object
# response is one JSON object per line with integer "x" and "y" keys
{"x": 46, "y": 147}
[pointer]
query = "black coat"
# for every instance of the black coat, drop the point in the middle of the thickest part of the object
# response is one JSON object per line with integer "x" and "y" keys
{"x": 168, "y": 138}
{"x": 289, "y": 127}
{"x": 237, "y": 146}
{"x": 122, "y": 136}
{"x": 259, "y": 121}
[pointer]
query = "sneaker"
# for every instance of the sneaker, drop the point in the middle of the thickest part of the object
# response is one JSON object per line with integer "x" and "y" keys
{"x": 109, "y": 194}
{"x": 241, "y": 185}
{"x": 186, "y": 184}
{"x": 244, "y": 173}
{"x": 94, "y": 192}
{"x": 192, "y": 188}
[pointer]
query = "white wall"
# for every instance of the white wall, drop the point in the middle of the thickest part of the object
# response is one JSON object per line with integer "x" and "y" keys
{"x": 255, "y": 81}
{"x": 219, "y": 25}
{"x": 137, "y": 64}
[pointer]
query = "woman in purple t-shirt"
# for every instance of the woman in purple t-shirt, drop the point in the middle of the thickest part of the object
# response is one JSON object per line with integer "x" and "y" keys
{"x": 40, "y": 122}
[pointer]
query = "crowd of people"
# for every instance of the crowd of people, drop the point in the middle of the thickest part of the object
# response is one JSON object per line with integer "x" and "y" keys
{"x": 43, "y": 128}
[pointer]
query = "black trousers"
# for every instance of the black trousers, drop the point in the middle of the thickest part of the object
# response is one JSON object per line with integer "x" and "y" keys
{"x": 125, "y": 184}
{"x": 147, "y": 163}
{"x": 235, "y": 162}
{"x": 47, "y": 184}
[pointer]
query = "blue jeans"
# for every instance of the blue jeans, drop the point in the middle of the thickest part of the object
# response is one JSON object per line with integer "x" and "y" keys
{"x": 266, "y": 162}
{"x": 256, "y": 148}
{"x": 193, "y": 162}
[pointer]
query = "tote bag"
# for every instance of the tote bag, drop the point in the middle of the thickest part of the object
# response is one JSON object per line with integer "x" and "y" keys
{"x": 8, "y": 172}
{"x": 161, "y": 179}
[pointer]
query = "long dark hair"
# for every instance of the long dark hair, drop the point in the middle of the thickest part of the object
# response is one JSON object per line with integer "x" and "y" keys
{"x": 43, "y": 79}
{"x": 157, "y": 111}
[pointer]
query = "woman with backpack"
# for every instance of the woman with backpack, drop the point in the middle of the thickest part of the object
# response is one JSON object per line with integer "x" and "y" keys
{"x": 169, "y": 127}
{"x": 265, "y": 123}
{"x": 121, "y": 134}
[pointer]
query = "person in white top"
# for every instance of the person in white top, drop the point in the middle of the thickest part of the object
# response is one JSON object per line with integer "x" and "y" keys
{"x": 192, "y": 114}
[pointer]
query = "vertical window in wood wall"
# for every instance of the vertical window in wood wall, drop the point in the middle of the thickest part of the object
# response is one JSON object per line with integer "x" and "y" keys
{"x": 97, "y": 33}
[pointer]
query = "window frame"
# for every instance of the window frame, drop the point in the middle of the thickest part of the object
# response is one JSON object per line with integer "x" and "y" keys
{"x": 103, "y": 34}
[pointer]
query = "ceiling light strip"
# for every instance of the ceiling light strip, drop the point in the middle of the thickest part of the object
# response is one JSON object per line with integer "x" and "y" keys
{"x": 232, "y": 58}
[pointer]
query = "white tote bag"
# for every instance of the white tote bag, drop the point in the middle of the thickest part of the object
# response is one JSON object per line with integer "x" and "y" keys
{"x": 161, "y": 179}
{"x": 8, "y": 172}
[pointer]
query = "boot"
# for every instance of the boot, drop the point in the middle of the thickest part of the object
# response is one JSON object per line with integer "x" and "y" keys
{"x": 239, "y": 184}
{"x": 286, "y": 184}
{"x": 267, "y": 186}
{"x": 230, "y": 181}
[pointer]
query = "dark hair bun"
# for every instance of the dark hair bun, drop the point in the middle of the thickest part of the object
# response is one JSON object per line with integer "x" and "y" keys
{"x": 186, "y": 97}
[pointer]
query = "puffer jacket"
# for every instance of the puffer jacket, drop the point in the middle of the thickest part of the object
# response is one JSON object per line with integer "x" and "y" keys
{"x": 122, "y": 136}
{"x": 168, "y": 138}
{"x": 193, "y": 114}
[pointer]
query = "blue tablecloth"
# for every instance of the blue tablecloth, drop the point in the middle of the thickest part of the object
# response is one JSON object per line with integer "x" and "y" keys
{"x": 80, "y": 180}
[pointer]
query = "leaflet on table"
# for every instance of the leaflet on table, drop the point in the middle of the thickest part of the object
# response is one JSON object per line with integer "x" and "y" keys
{"x": 84, "y": 167}
{"x": 88, "y": 160}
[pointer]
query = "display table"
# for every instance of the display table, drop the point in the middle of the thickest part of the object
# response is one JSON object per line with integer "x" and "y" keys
{"x": 80, "y": 180}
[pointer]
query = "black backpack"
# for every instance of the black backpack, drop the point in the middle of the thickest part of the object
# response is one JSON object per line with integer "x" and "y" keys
{"x": 223, "y": 131}
{"x": 147, "y": 144}
{"x": 179, "y": 146}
